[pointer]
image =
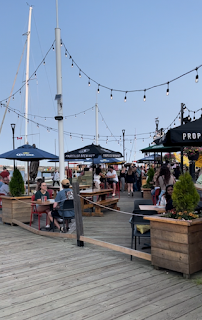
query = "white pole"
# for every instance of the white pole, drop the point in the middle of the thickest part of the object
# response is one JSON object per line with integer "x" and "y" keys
{"x": 96, "y": 123}
{"x": 27, "y": 85}
{"x": 59, "y": 97}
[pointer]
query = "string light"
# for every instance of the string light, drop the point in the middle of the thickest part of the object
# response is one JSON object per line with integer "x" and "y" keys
{"x": 44, "y": 62}
{"x": 179, "y": 118}
{"x": 111, "y": 96}
{"x": 72, "y": 63}
{"x": 45, "y": 119}
{"x": 70, "y": 136}
{"x": 80, "y": 74}
{"x": 144, "y": 98}
{"x": 125, "y": 98}
{"x": 66, "y": 54}
{"x": 13, "y": 97}
{"x": 53, "y": 47}
{"x": 61, "y": 42}
{"x": 167, "y": 92}
{"x": 194, "y": 118}
{"x": 189, "y": 117}
{"x": 98, "y": 89}
{"x": 37, "y": 125}
{"x": 197, "y": 78}
{"x": 174, "y": 124}
{"x": 35, "y": 74}
{"x": 89, "y": 82}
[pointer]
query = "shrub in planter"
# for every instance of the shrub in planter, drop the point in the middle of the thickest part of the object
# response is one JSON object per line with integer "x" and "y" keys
{"x": 150, "y": 176}
{"x": 185, "y": 199}
{"x": 16, "y": 184}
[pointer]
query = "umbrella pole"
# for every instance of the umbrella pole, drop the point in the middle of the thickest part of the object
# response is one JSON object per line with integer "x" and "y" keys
{"x": 28, "y": 176}
{"x": 93, "y": 173}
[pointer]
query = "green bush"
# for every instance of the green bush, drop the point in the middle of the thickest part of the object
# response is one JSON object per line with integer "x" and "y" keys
{"x": 16, "y": 184}
{"x": 185, "y": 196}
{"x": 150, "y": 176}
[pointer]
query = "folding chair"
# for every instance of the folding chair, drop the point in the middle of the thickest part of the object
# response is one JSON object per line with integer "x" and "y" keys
{"x": 34, "y": 211}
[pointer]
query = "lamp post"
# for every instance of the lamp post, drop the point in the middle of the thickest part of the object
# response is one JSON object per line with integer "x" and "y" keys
{"x": 123, "y": 131}
{"x": 13, "y": 130}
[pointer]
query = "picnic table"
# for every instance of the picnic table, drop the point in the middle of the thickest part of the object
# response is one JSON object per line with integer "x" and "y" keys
{"x": 102, "y": 199}
{"x": 158, "y": 209}
{"x": 57, "y": 188}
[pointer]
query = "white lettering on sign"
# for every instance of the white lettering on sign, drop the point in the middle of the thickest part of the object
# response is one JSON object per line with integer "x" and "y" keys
{"x": 189, "y": 136}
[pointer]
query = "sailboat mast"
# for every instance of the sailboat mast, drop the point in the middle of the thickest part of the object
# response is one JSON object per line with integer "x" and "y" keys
{"x": 58, "y": 96}
{"x": 27, "y": 85}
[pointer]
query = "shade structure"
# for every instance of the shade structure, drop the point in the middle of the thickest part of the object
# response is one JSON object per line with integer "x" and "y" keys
{"x": 101, "y": 160}
{"x": 161, "y": 148}
{"x": 27, "y": 153}
{"x": 66, "y": 160}
{"x": 92, "y": 151}
{"x": 189, "y": 134}
{"x": 149, "y": 158}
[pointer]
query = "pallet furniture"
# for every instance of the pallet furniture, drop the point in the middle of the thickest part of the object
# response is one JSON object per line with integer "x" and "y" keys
{"x": 176, "y": 244}
{"x": 18, "y": 208}
{"x": 102, "y": 200}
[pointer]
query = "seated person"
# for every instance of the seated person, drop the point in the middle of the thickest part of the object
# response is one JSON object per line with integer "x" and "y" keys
{"x": 166, "y": 199}
{"x": 1, "y": 181}
{"x": 112, "y": 179}
{"x": 96, "y": 178}
{"x": 62, "y": 195}
{"x": 40, "y": 193}
{"x": 5, "y": 187}
{"x": 38, "y": 183}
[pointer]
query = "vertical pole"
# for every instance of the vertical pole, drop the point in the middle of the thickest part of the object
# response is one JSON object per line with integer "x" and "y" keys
{"x": 182, "y": 115}
{"x": 59, "y": 117}
{"x": 123, "y": 131}
{"x": 27, "y": 84}
{"x": 96, "y": 123}
{"x": 78, "y": 214}
{"x": 55, "y": 153}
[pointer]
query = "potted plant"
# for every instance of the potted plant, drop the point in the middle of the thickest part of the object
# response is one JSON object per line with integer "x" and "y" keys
{"x": 192, "y": 153}
{"x": 176, "y": 236}
{"x": 146, "y": 188}
{"x": 17, "y": 205}
{"x": 169, "y": 157}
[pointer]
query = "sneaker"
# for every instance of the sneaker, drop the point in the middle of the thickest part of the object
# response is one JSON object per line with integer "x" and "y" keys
{"x": 113, "y": 195}
{"x": 47, "y": 226}
{"x": 59, "y": 220}
{"x": 62, "y": 230}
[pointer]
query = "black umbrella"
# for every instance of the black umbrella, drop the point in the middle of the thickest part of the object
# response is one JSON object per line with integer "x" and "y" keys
{"x": 92, "y": 151}
{"x": 189, "y": 134}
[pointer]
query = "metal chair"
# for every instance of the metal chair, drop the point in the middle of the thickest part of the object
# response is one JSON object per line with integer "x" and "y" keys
{"x": 68, "y": 205}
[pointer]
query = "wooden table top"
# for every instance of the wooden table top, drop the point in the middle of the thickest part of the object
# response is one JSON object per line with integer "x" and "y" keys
{"x": 159, "y": 209}
{"x": 45, "y": 203}
{"x": 81, "y": 186}
{"x": 93, "y": 192}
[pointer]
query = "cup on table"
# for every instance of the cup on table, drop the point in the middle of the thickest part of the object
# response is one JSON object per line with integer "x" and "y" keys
{"x": 43, "y": 199}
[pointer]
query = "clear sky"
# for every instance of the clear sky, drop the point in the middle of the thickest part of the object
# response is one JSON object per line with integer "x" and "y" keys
{"x": 122, "y": 45}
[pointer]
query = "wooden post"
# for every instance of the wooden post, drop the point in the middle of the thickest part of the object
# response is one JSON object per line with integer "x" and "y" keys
{"x": 78, "y": 214}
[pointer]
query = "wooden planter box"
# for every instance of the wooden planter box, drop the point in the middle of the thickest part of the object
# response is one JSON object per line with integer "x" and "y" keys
{"x": 146, "y": 193}
{"x": 18, "y": 208}
{"x": 176, "y": 244}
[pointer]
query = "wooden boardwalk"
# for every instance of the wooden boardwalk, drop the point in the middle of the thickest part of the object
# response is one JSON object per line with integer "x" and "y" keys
{"x": 48, "y": 278}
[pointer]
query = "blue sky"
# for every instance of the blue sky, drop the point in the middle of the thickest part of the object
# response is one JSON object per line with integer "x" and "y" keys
{"x": 123, "y": 45}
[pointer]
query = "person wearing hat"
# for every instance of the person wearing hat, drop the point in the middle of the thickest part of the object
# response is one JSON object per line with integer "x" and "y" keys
{"x": 64, "y": 194}
{"x": 5, "y": 173}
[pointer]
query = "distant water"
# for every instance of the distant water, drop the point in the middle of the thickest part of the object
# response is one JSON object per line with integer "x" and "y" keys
{"x": 46, "y": 174}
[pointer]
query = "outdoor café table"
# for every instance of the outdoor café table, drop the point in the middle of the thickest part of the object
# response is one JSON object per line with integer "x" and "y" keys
{"x": 102, "y": 195}
{"x": 57, "y": 188}
{"x": 159, "y": 209}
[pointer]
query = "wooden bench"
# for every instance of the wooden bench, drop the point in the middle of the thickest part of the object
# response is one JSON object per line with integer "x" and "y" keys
{"x": 110, "y": 202}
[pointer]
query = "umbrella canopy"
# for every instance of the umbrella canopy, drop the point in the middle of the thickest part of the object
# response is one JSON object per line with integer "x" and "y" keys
{"x": 161, "y": 148}
{"x": 100, "y": 160}
{"x": 66, "y": 160}
{"x": 27, "y": 153}
{"x": 92, "y": 151}
{"x": 149, "y": 158}
{"x": 189, "y": 134}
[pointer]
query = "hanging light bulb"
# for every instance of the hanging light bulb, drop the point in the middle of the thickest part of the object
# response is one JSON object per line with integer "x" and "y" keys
{"x": 35, "y": 74}
{"x": 18, "y": 115}
{"x": 61, "y": 42}
{"x": 111, "y": 96}
{"x": 13, "y": 97}
{"x": 107, "y": 138}
{"x": 20, "y": 91}
{"x": 189, "y": 117}
{"x": 9, "y": 110}
{"x": 44, "y": 62}
{"x": 81, "y": 138}
{"x": 79, "y": 73}
{"x": 89, "y": 82}
{"x": 37, "y": 125}
{"x": 53, "y": 47}
{"x": 174, "y": 124}
{"x": 135, "y": 138}
{"x": 72, "y": 63}
{"x": 194, "y": 118}
{"x": 6, "y": 101}
{"x": 179, "y": 118}
{"x": 130, "y": 141}
{"x": 144, "y": 98}
{"x": 92, "y": 108}
{"x": 98, "y": 89}
{"x": 185, "y": 108}
{"x": 70, "y": 135}
{"x": 150, "y": 135}
{"x": 197, "y": 78}
{"x": 94, "y": 140}
{"x": 45, "y": 118}
{"x": 167, "y": 92}
{"x": 120, "y": 138}
{"x": 125, "y": 98}
{"x": 66, "y": 53}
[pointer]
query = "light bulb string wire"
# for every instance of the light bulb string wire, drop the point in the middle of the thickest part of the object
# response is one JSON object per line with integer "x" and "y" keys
{"x": 30, "y": 78}
{"x": 134, "y": 90}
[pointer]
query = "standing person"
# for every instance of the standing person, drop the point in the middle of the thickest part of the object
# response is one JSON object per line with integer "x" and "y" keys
{"x": 56, "y": 177}
{"x": 130, "y": 178}
{"x": 5, "y": 173}
{"x": 112, "y": 179}
{"x": 177, "y": 172}
{"x": 123, "y": 178}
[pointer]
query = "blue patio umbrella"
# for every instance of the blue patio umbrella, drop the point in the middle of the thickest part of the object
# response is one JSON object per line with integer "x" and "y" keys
{"x": 100, "y": 160}
{"x": 27, "y": 153}
{"x": 149, "y": 158}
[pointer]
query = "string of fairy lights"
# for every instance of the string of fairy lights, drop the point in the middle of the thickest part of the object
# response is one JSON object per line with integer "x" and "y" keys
{"x": 107, "y": 138}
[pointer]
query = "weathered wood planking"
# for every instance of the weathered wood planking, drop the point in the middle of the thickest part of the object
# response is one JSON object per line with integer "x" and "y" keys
{"x": 16, "y": 209}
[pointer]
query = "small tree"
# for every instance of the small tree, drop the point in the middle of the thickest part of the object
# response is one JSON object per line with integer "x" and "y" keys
{"x": 16, "y": 184}
{"x": 185, "y": 196}
{"x": 150, "y": 175}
